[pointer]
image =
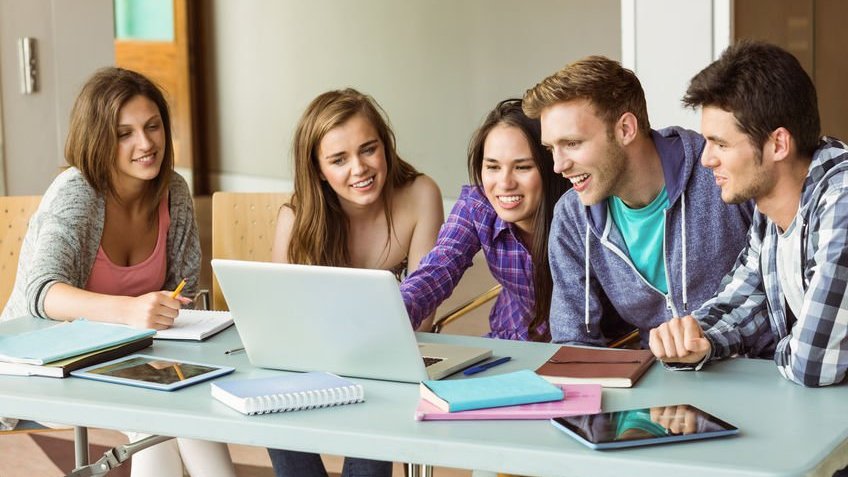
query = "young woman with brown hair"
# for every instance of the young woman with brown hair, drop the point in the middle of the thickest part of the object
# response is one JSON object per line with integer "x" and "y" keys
{"x": 115, "y": 233}
{"x": 356, "y": 203}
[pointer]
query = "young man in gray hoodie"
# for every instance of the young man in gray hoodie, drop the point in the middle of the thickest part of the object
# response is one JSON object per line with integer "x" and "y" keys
{"x": 761, "y": 122}
{"x": 643, "y": 236}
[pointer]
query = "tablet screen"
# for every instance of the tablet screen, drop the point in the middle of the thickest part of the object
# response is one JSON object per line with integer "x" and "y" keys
{"x": 159, "y": 371}
{"x": 151, "y": 371}
{"x": 644, "y": 426}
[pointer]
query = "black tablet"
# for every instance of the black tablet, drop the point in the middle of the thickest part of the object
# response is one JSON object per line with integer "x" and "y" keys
{"x": 646, "y": 426}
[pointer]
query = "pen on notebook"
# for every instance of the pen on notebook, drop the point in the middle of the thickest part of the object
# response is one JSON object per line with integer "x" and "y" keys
{"x": 179, "y": 289}
{"x": 485, "y": 366}
{"x": 234, "y": 350}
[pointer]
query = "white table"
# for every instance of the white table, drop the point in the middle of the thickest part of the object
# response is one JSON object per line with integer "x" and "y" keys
{"x": 786, "y": 429}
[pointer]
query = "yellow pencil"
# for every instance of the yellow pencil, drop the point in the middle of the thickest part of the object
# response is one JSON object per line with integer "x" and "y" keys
{"x": 179, "y": 372}
{"x": 179, "y": 289}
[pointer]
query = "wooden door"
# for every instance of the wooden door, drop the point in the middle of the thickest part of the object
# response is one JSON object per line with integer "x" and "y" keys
{"x": 812, "y": 31}
{"x": 167, "y": 61}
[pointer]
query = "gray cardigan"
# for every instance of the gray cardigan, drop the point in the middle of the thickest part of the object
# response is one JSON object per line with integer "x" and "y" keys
{"x": 64, "y": 235}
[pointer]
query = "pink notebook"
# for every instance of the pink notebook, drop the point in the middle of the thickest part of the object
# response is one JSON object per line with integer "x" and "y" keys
{"x": 579, "y": 399}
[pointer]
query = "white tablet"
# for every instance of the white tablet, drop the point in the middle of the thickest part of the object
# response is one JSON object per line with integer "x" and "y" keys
{"x": 646, "y": 426}
{"x": 152, "y": 372}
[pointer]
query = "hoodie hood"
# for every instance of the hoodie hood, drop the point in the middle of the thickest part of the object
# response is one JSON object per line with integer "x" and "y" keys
{"x": 679, "y": 151}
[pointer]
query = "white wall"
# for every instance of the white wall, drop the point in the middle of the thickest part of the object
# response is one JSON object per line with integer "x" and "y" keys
{"x": 436, "y": 67}
{"x": 667, "y": 42}
{"x": 73, "y": 39}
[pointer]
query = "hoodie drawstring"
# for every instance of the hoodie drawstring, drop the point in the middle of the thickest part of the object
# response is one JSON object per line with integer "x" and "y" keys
{"x": 683, "y": 273}
{"x": 683, "y": 267}
{"x": 586, "y": 290}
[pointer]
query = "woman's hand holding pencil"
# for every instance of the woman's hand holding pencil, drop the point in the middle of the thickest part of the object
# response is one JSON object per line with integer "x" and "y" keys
{"x": 156, "y": 310}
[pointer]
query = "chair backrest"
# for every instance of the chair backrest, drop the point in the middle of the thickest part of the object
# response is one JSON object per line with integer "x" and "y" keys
{"x": 15, "y": 212}
{"x": 243, "y": 225}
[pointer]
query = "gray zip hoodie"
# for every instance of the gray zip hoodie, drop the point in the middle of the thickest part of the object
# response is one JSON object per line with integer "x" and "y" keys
{"x": 596, "y": 284}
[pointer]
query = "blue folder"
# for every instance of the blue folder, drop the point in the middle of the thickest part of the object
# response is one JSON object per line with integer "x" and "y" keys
{"x": 64, "y": 340}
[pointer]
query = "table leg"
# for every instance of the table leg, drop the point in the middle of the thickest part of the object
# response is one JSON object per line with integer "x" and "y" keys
{"x": 420, "y": 470}
{"x": 81, "y": 446}
{"x": 111, "y": 458}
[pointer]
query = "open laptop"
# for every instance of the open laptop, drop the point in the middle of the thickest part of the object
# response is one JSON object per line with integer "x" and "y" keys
{"x": 348, "y": 321}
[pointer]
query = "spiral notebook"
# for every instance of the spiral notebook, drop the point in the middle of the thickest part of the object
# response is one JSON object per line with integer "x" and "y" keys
{"x": 291, "y": 392}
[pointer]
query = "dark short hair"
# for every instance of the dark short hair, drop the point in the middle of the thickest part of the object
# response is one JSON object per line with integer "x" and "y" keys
{"x": 765, "y": 88}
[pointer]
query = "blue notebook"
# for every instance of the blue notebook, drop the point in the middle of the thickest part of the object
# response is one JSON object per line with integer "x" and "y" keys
{"x": 510, "y": 389}
{"x": 289, "y": 392}
{"x": 64, "y": 340}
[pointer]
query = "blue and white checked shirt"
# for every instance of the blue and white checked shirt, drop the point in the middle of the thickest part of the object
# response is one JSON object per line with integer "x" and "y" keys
{"x": 747, "y": 316}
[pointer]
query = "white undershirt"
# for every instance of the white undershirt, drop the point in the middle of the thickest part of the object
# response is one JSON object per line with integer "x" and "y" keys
{"x": 789, "y": 270}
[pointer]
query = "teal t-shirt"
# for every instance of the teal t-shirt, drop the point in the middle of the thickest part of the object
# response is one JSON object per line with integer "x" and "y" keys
{"x": 643, "y": 231}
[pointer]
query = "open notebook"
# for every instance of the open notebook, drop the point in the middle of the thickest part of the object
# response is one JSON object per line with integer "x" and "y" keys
{"x": 196, "y": 325}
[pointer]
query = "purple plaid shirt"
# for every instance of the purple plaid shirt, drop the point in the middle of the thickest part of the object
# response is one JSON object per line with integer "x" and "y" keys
{"x": 472, "y": 225}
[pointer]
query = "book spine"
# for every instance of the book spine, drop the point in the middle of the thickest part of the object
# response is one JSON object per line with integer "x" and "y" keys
{"x": 305, "y": 400}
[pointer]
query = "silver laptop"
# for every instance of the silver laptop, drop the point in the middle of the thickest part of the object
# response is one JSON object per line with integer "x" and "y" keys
{"x": 348, "y": 321}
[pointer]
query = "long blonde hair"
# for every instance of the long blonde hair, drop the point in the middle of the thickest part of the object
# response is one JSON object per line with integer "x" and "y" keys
{"x": 320, "y": 230}
{"x": 92, "y": 143}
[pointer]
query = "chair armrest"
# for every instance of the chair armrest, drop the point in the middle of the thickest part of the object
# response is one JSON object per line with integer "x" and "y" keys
{"x": 626, "y": 340}
{"x": 466, "y": 307}
{"x": 201, "y": 299}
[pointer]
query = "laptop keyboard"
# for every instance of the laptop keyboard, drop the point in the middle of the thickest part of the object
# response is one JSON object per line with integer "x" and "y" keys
{"x": 429, "y": 360}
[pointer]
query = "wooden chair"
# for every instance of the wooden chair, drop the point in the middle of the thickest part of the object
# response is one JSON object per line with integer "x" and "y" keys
{"x": 243, "y": 226}
{"x": 463, "y": 309}
{"x": 15, "y": 212}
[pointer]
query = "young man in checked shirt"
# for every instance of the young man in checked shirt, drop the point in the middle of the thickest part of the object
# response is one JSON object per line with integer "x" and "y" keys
{"x": 761, "y": 123}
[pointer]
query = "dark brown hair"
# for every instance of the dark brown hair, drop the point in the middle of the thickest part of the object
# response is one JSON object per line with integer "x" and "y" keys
{"x": 92, "y": 143}
{"x": 611, "y": 89}
{"x": 509, "y": 113}
{"x": 765, "y": 88}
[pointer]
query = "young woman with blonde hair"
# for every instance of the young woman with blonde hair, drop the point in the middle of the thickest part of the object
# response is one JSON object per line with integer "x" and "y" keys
{"x": 356, "y": 203}
{"x": 115, "y": 233}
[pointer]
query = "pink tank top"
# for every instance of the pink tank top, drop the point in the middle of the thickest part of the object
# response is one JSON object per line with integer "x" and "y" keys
{"x": 145, "y": 277}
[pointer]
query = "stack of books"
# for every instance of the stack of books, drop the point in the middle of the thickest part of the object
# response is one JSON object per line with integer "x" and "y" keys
{"x": 54, "y": 349}
{"x": 517, "y": 395}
